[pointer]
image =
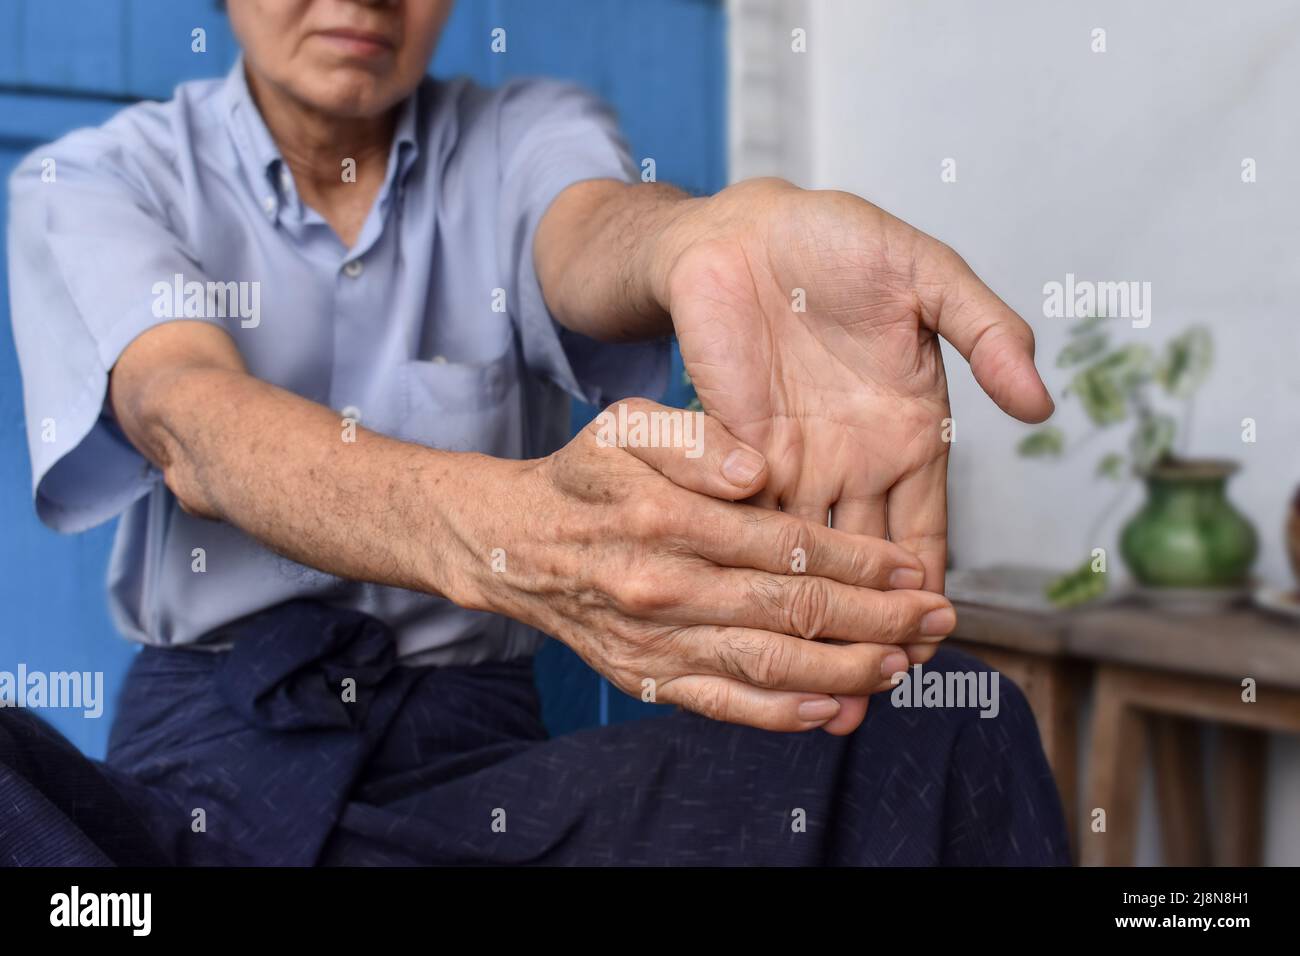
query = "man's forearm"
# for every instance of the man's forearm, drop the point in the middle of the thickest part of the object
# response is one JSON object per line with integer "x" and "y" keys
{"x": 306, "y": 483}
{"x": 602, "y": 253}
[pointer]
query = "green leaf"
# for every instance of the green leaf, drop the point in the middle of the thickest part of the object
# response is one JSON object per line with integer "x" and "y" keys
{"x": 1081, "y": 350}
{"x": 1045, "y": 442}
{"x": 1105, "y": 386}
{"x": 1112, "y": 466}
{"x": 1131, "y": 366}
{"x": 1186, "y": 362}
{"x": 1077, "y": 587}
{"x": 1101, "y": 395}
{"x": 1151, "y": 441}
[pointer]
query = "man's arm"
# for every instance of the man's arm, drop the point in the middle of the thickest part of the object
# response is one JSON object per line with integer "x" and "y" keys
{"x": 234, "y": 448}
{"x": 601, "y": 257}
{"x": 644, "y": 577}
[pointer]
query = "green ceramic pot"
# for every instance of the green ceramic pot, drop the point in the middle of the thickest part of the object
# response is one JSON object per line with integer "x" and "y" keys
{"x": 1188, "y": 535}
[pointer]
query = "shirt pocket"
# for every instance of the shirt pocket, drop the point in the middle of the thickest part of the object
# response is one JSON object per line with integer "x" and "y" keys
{"x": 463, "y": 406}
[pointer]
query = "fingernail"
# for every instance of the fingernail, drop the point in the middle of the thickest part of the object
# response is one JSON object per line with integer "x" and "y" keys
{"x": 822, "y": 709}
{"x": 938, "y": 623}
{"x": 895, "y": 662}
{"x": 906, "y": 579}
{"x": 742, "y": 466}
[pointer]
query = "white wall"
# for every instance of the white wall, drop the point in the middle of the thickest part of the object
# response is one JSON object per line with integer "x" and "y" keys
{"x": 1113, "y": 166}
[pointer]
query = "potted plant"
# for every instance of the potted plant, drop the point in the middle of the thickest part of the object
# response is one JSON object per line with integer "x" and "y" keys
{"x": 1187, "y": 535}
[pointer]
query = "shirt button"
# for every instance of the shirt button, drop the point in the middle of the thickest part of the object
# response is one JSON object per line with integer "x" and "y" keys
{"x": 353, "y": 268}
{"x": 268, "y": 204}
{"x": 286, "y": 180}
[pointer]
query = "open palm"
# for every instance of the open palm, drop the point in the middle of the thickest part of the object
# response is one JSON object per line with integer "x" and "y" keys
{"x": 809, "y": 323}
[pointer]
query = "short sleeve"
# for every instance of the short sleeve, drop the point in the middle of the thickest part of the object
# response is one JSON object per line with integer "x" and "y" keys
{"x": 552, "y": 135}
{"x": 86, "y": 251}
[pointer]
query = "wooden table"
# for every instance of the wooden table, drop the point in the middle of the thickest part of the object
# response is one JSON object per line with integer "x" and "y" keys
{"x": 1155, "y": 676}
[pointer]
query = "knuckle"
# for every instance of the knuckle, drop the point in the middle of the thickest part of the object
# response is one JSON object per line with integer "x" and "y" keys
{"x": 641, "y": 595}
{"x": 808, "y": 607}
{"x": 649, "y": 518}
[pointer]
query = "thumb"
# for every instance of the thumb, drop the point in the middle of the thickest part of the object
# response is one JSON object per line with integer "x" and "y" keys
{"x": 998, "y": 344}
{"x": 690, "y": 449}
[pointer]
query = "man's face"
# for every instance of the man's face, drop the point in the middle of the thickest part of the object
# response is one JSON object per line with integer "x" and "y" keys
{"x": 353, "y": 58}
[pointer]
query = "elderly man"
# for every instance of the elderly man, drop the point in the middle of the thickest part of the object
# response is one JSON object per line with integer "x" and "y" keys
{"x": 312, "y": 331}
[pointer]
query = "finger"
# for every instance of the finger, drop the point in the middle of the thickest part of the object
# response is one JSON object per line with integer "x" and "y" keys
{"x": 856, "y": 516}
{"x": 723, "y": 698}
{"x": 750, "y": 537}
{"x": 814, "y": 607}
{"x": 860, "y": 516}
{"x": 998, "y": 344}
{"x": 920, "y": 653}
{"x": 918, "y": 518}
{"x": 853, "y": 710}
{"x": 804, "y": 492}
{"x": 865, "y": 516}
{"x": 816, "y": 512}
{"x": 780, "y": 662}
{"x": 689, "y": 448}
{"x": 897, "y": 665}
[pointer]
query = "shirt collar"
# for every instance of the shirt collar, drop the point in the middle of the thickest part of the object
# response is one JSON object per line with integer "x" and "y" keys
{"x": 406, "y": 142}
{"x": 267, "y": 173}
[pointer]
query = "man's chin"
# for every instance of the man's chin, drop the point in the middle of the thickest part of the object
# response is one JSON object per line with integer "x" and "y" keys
{"x": 349, "y": 92}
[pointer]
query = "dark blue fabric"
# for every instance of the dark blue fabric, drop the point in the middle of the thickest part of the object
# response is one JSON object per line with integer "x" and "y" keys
{"x": 451, "y": 765}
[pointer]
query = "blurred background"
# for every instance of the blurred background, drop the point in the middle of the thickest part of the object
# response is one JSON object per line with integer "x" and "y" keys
{"x": 1072, "y": 143}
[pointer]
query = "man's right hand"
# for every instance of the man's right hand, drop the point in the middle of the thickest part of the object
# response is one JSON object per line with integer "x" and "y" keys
{"x": 628, "y": 556}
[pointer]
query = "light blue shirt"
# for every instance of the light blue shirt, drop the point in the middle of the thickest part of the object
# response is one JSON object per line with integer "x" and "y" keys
{"x": 432, "y": 327}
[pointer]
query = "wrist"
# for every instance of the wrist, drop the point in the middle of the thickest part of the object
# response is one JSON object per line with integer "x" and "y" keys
{"x": 732, "y": 217}
{"x": 673, "y": 231}
{"x": 464, "y": 545}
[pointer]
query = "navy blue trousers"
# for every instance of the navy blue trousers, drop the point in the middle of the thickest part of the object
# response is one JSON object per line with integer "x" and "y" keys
{"x": 252, "y": 756}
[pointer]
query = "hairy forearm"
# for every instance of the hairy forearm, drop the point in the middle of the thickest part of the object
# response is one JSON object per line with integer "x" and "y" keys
{"x": 277, "y": 466}
{"x": 602, "y": 253}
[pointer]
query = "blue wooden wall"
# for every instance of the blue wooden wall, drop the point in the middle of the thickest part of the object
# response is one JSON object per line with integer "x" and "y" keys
{"x": 70, "y": 63}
